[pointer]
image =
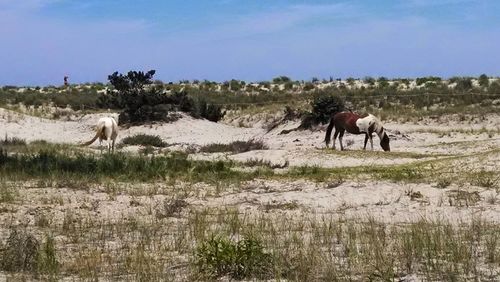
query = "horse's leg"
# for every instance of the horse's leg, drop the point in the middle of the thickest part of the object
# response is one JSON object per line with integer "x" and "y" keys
{"x": 371, "y": 140}
{"x": 366, "y": 141}
{"x": 341, "y": 135}
{"x": 113, "y": 146}
{"x": 109, "y": 145}
{"x": 335, "y": 137}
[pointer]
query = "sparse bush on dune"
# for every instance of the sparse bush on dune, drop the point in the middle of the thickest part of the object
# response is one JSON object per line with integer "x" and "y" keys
{"x": 144, "y": 140}
{"x": 235, "y": 147}
{"x": 210, "y": 112}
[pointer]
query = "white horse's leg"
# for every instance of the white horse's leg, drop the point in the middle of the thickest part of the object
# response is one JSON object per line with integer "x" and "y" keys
{"x": 366, "y": 141}
{"x": 100, "y": 145}
{"x": 371, "y": 141}
{"x": 108, "y": 142}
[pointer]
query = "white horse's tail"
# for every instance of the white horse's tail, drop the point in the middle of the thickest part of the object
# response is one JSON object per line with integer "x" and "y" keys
{"x": 100, "y": 128}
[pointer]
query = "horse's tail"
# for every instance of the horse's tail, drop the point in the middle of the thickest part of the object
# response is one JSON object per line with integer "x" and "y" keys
{"x": 329, "y": 132}
{"x": 98, "y": 132}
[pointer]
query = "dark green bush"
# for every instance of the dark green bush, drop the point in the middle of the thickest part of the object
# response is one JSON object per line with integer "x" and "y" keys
{"x": 483, "y": 80}
{"x": 324, "y": 106}
{"x": 210, "y": 112}
{"x": 144, "y": 140}
{"x": 383, "y": 82}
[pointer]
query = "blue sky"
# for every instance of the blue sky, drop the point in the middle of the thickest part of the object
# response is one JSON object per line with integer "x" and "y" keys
{"x": 42, "y": 40}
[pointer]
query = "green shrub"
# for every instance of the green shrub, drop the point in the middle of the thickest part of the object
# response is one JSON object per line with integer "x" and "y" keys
{"x": 210, "y": 112}
{"x": 369, "y": 80}
{"x": 144, "y": 140}
{"x": 383, "y": 82}
{"x": 483, "y": 80}
{"x": 235, "y": 147}
{"x": 219, "y": 256}
{"x": 324, "y": 106}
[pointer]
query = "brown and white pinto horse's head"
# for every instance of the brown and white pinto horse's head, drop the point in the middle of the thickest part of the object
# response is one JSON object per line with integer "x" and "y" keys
{"x": 370, "y": 124}
{"x": 384, "y": 140}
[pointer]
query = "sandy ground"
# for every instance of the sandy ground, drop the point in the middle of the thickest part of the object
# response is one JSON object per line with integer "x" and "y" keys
{"x": 384, "y": 201}
{"x": 387, "y": 201}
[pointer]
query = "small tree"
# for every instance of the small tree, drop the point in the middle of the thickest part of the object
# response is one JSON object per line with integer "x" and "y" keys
{"x": 325, "y": 105}
{"x": 383, "y": 82}
{"x": 137, "y": 96}
{"x": 142, "y": 101}
{"x": 235, "y": 85}
{"x": 369, "y": 80}
{"x": 281, "y": 79}
{"x": 484, "y": 81}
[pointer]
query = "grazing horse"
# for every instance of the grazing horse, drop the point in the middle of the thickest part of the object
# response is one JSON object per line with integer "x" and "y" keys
{"x": 107, "y": 129}
{"x": 356, "y": 124}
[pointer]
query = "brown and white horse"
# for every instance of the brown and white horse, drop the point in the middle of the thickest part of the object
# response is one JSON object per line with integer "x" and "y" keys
{"x": 356, "y": 124}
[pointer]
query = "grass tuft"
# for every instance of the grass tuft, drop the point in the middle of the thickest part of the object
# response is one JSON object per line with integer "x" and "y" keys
{"x": 220, "y": 256}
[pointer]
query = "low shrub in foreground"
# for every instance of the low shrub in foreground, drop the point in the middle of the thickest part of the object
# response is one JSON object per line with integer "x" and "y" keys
{"x": 235, "y": 147}
{"x": 144, "y": 140}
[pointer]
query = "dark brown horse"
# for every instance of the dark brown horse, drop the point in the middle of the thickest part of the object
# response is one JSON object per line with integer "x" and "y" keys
{"x": 356, "y": 124}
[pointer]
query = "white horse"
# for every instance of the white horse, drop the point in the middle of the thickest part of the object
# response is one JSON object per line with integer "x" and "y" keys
{"x": 107, "y": 129}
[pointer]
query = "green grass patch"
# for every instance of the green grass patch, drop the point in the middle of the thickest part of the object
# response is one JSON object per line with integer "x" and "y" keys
{"x": 119, "y": 166}
{"x": 381, "y": 154}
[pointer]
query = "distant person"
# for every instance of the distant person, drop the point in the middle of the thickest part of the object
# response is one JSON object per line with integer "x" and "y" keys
{"x": 66, "y": 80}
